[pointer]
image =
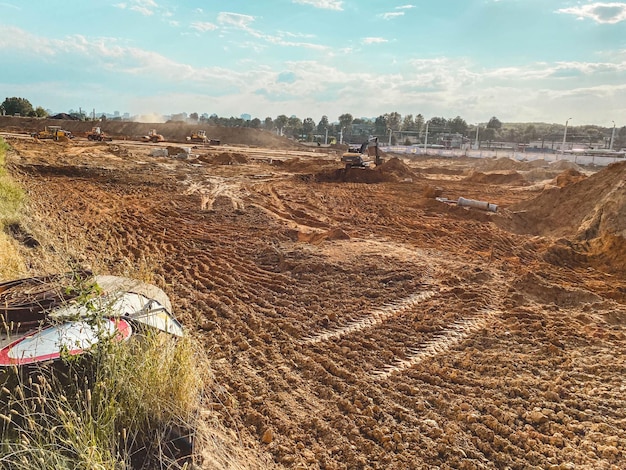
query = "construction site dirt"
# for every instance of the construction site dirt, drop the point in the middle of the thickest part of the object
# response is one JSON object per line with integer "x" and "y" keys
{"x": 353, "y": 319}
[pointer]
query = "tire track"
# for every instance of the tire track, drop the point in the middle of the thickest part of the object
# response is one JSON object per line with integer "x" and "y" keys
{"x": 440, "y": 343}
{"x": 375, "y": 318}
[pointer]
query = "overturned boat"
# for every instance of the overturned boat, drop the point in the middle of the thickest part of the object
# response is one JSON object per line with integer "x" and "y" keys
{"x": 47, "y": 317}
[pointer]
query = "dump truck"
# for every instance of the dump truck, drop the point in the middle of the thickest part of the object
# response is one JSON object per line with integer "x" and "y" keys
{"x": 98, "y": 134}
{"x": 54, "y": 133}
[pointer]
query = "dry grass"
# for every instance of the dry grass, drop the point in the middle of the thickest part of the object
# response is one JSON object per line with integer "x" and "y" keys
{"x": 121, "y": 406}
{"x": 11, "y": 199}
{"x": 124, "y": 406}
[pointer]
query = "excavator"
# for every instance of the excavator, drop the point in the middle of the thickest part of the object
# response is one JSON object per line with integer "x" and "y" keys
{"x": 153, "y": 136}
{"x": 356, "y": 155}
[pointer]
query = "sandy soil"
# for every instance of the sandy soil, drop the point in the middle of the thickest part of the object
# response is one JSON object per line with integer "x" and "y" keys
{"x": 354, "y": 321}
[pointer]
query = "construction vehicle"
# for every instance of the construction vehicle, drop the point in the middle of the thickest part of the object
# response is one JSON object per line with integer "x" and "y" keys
{"x": 98, "y": 135}
{"x": 200, "y": 136}
{"x": 54, "y": 133}
{"x": 357, "y": 156}
{"x": 153, "y": 136}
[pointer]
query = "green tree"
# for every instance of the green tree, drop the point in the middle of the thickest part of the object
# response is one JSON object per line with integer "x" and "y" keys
{"x": 394, "y": 121}
{"x": 494, "y": 123}
{"x": 489, "y": 134}
{"x": 19, "y": 106}
{"x": 194, "y": 117}
{"x": 419, "y": 122}
{"x": 255, "y": 123}
{"x": 458, "y": 125}
{"x": 530, "y": 133}
{"x": 308, "y": 126}
{"x": 345, "y": 123}
{"x": 438, "y": 124}
{"x": 322, "y": 125}
{"x": 280, "y": 122}
{"x": 408, "y": 124}
{"x": 268, "y": 124}
{"x": 40, "y": 112}
{"x": 513, "y": 135}
{"x": 380, "y": 125}
{"x": 294, "y": 124}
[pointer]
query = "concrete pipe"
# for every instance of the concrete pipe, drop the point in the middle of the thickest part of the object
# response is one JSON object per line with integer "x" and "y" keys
{"x": 486, "y": 206}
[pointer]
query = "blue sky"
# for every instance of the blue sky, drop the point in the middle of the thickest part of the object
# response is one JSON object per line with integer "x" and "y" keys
{"x": 519, "y": 60}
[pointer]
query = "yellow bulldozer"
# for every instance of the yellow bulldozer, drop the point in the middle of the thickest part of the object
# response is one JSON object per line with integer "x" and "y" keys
{"x": 53, "y": 132}
{"x": 98, "y": 135}
{"x": 153, "y": 136}
{"x": 198, "y": 136}
{"x": 201, "y": 137}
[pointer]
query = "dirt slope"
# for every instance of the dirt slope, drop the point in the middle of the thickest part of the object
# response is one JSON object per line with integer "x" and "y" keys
{"x": 588, "y": 211}
{"x": 171, "y": 131}
{"x": 361, "y": 326}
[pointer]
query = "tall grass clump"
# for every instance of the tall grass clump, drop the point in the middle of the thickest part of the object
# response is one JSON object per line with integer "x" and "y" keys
{"x": 135, "y": 407}
{"x": 124, "y": 405}
{"x": 11, "y": 195}
{"x": 11, "y": 200}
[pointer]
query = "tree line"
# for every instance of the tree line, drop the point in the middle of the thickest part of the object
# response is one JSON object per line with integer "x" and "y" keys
{"x": 389, "y": 126}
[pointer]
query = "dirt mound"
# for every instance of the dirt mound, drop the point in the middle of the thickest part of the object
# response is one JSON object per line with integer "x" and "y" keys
{"x": 64, "y": 116}
{"x": 224, "y": 158}
{"x": 569, "y": 177}
{"x": 507, "y": 177}
{"x": 589, "y": 212}
{"x": 393, "y": 170}
{"x": 502, "y": 163}
{"x": 540, "y": 174}
{"x": 564, "y": 165}
{"x": 398, "y": 169}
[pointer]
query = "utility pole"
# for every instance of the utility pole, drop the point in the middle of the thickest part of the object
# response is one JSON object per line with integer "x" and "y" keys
{"x": 612, "y": 136}
{"x": 390, "y": 132}
{"x": 326, "y": 136}
{"x": 476, "y": 143}
{"x": 426, "y": 135}
{"x": 564, "y": 137}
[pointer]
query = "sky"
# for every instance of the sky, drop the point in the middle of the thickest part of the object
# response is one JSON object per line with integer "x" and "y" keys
{"x": 518, "y": 60}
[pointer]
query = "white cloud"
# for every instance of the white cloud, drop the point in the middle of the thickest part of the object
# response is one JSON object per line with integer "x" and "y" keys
{"x": 244, "y": 22}
{"x": 324, "y": 4}
{"x": 236, "y": 20}
{"x": 392, "y": 15}
{"x": 372, "y": 40}
{"x": 542, "y": 91}
{"x": 8, "y": 5}
{"x": 203, "y": 26}
{"x": 144, "y": 7}
{"x": 405, "y": 7}
{"x": 604, "y": 13}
